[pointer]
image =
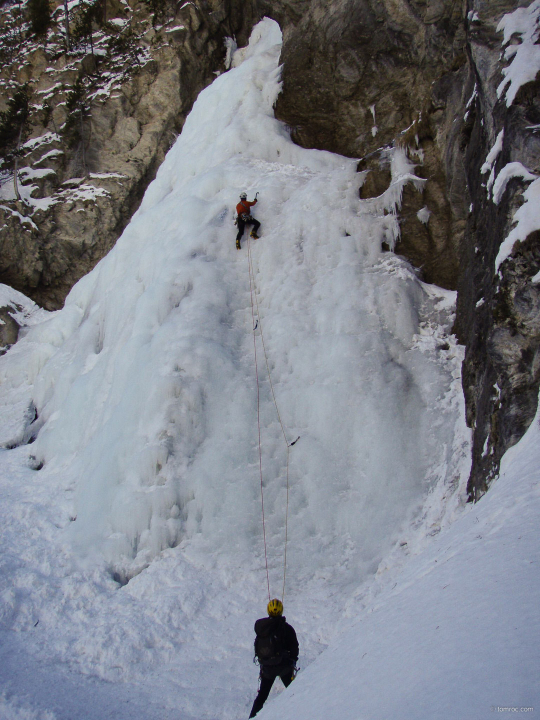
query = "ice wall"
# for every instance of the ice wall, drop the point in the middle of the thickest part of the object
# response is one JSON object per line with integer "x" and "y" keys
{"x": 144, "y": 383}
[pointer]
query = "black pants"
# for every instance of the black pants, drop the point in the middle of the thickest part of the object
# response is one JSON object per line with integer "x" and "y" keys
{"x": 268, "y": 675}
{"x": 242, "y": 224}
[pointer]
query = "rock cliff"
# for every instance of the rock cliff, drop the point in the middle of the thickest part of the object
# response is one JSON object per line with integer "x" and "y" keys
{"x": 450, "y": 82}
{"x": 498, "y": 300}
{"x": 100, "y": 119}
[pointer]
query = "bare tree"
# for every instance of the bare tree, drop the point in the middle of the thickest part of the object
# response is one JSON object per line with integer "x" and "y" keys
{"x": 66, "y": 16}
{"x": 13, "y": 123}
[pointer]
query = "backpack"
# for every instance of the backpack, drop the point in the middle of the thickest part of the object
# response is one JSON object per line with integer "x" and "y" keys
{"x": 269, "y": 648}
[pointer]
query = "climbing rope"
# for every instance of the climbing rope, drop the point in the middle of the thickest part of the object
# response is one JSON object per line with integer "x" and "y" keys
{"x": 258, "y": 324}
{"x": 258, "y": 418}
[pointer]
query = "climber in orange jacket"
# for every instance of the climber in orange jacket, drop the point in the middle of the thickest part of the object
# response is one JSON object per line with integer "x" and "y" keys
{"x": 244, "y": 218}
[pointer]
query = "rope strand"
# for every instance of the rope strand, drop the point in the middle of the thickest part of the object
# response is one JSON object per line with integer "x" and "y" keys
{"x": 255, "y": 325}
{"x": 251, "y": 281}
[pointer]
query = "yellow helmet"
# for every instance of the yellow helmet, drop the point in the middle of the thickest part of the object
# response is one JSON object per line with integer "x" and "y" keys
{"x": 275, "y": 608}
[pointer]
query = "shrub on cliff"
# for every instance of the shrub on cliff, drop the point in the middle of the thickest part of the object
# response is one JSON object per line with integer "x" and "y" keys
{"x": 13, "y": 123}
{"x": 88, "y": 15}
{"x": 39, "y": 15}
{"x": 159, "y": 9}
{"x": 11, "y": 36}
{"x": 13, "y": 120}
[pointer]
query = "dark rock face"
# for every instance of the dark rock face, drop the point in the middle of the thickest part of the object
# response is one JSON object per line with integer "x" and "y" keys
{"x": 501, "y": 374}
{"x": 497, "y": 316}
{"x": 9, "y": 329}
{"x": 378, "y": 54}
{"x": 358, "y": 75}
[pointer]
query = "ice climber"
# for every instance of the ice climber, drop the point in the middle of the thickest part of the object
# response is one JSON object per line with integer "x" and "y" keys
{"x": 276, "y": 649}
{"x": 244, "y": 218}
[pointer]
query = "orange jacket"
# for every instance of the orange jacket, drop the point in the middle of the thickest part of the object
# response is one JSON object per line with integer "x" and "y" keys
{"x": 243, "y": 207}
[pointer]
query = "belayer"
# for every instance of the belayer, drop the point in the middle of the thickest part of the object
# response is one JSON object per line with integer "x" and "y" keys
{"x": 276, "y": 649}
{"x": 244, "y": 218}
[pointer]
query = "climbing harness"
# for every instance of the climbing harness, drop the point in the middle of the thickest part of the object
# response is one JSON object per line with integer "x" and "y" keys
{"x": 256, "y": 323}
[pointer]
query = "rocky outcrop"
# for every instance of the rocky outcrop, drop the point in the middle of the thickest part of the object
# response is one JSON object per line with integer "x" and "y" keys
{"x": 9, "y": 329}
{"x": 498, "y": 312}
{"x": 358, "y": 77}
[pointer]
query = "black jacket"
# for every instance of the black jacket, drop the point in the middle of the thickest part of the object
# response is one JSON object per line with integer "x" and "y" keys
{"x": 284, "y": 631}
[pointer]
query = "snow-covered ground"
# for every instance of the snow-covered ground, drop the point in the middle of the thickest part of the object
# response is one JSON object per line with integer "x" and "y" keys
{"x": 455, "y": 633}
{"x": 132, "y": 565}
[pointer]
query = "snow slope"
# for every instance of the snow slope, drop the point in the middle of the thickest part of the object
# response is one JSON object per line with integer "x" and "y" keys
{"x": 455, "y": 633}
{"x": 132, "y": 554}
